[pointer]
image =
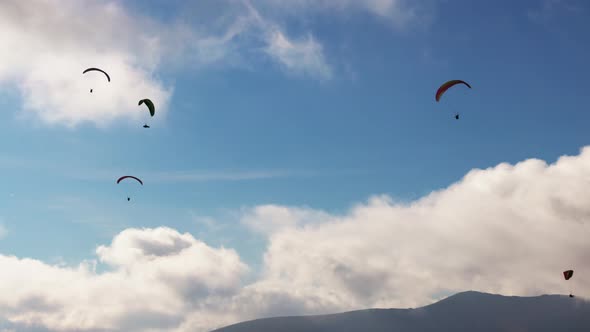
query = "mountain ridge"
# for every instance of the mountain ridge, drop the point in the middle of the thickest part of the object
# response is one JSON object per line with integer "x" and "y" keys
{"x": 464, "y": 311}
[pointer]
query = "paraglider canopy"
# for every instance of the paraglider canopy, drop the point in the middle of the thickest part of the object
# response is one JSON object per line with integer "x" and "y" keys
{"x": 98, "y": 69}
{"x": 129, "y": 177}
{"x": 149, "y": 105}
{"x": 447, "y": 85}
{"x": 568, "y": 274}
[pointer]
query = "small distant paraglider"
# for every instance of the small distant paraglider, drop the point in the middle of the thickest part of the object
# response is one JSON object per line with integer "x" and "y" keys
{"x": 129, "y": 177}
{"x": 447, "y": 85}
{"x": 97, "y": 69}
{"x": 150, "y": 106}
{"x": 567, "y": 276}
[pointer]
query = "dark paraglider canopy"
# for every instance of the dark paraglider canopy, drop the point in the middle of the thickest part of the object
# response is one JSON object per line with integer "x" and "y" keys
{"x": 447, "y": 85}
{"x": 457, "y": 116}
{"x": 98, "y": 69}
{"x": 129, "y": 177}
{"x": 149, "y": 104}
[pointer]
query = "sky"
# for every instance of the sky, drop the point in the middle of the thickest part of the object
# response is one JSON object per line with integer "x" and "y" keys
{"x": 297, "y": 163}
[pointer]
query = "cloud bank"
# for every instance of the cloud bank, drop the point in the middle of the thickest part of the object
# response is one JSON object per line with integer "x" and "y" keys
{"x": 157, "y": 276}
{"x": 49, "y": 43}
{"x": 509, "y": 229}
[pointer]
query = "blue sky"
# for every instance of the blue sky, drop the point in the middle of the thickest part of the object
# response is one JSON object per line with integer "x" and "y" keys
{"x": 308, "y": 105}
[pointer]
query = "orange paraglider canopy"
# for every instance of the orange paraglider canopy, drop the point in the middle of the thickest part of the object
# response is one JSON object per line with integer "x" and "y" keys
{"x": 443, "y": 88}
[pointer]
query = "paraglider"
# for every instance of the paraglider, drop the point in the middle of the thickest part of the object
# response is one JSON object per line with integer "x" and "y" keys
{"x": 97, "y": 69}
{"x": 150, "y": 106}
{"x": 443, "y": 88}
{"x": 567, "y": 276}
{"x": 129, "y": 177}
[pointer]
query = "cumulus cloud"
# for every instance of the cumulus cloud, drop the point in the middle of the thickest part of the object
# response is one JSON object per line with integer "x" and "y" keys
{"x": 157, "y": 276}
{"x": 509, "y": 229}
{"x": 270, "y": 219}
{"x": 49, "y": 43}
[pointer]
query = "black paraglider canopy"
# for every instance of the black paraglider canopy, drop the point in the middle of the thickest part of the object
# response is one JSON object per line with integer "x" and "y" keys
{"x": 99, "y": 70}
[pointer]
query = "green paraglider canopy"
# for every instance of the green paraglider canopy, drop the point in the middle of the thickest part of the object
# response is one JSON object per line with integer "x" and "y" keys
{"x": 149, "y": 104}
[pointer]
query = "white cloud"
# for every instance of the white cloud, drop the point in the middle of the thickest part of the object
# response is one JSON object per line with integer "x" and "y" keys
{"x": 270, "y": 219}
{"x": 400, "y": 13}
{"x": 303, "y": 56}
{"x": 50, "y": 42}
{"x": 507, "y": 229}
{"x": 158, "y": 276}
{"x": 510, "y": 229}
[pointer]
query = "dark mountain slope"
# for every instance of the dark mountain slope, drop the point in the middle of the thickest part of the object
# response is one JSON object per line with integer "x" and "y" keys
{"x": 468, "y": 311}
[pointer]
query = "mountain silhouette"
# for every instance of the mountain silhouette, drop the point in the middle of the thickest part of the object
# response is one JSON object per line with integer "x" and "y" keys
{"x": 467, "y": 311}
